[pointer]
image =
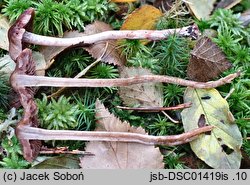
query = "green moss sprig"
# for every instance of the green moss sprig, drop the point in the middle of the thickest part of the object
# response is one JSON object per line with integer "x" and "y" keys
{"x": 12, "y": 156}
{"x": 57, "y": 115}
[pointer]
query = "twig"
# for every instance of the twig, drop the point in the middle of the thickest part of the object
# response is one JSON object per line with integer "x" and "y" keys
{"x": 169, "y": 117}
{"x": 63, "y": 150}
{"x": 230, "y": 93}
{"x": 156, "y": 109}
{"x": 31, "y": 133}
{"x": 35, "y": 81}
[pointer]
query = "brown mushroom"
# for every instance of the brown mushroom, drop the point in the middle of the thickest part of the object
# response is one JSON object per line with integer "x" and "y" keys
{"x": 30, "y": 136}
{"x": 17, "y": 30}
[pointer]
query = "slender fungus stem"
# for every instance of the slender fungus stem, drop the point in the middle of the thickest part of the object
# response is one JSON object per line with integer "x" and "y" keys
{"x": 29, "y": 37}
{"x": 22, "y": 80}
{"x": 31, "y": 133}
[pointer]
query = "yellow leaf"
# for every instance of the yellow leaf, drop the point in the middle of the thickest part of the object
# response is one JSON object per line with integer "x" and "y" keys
{"x": 221, "y": 147}
{"x": 143, "y": 18}
{"x": 201, "y": 8}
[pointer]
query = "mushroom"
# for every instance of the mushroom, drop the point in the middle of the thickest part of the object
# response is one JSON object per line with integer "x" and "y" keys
{"x": 20, "y": 35}
{"x": 16, "y": 32}
{"x": 30, "y": 136}
{"x": 25, "y": 65}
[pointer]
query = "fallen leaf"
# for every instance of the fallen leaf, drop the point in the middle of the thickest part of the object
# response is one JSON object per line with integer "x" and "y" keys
{"x": 143, "y": 18}
{"x": 119, "y": 155}
{"x": 60, "y": 162}
{"x": 219, "y": 148}
{"x": 112, "y": 54}
{"x": 50, "y": 52}
{"x": 9, "y": 64}
{"x": 4, "y": 27}
{"x": 207, "y": 61}
{"x": 227, "y": 4}
{"x": 97, "y": 50}
{"x": 142, "y": 95}
{"x": 202, "y": 8}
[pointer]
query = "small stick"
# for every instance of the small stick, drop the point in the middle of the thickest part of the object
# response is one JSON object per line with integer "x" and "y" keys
{"x": 21, "y": 80}
{"x": 156, "y": 109}
{"x": 169, "y": 117}
{"x": 63, "y": 150}
{"x": 230, "y": 93}
{"x": 31, "y": 133}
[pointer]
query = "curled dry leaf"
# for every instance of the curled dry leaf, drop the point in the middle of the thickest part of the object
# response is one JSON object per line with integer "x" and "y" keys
{"x": 207, "y": 61}
{"x": 202, "y": 8}
{"x": 9, "y": 64}
{"x": 112, "y": 55}
{"x": 118, "y": 155}
{"x": 50, "y": 52}
{"x": 219, "y": 148}
{"x": 142, "y": 95}
{"x": 4, "y": 27}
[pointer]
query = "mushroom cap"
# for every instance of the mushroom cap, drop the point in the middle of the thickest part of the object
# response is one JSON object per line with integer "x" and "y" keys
{"x": 17, "y": 30}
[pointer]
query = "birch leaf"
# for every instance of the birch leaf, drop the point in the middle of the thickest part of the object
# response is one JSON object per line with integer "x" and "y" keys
{"x": 4, "y": 27}
{"x": 221, "y": 147}
{"x": 202, "y": 8}
{"x": 142, "y": 95}
{"x": 119, "y": 155}
{"x": 207, "y": 61}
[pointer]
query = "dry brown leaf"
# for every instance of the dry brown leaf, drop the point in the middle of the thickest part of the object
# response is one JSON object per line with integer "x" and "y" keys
{"x": 142, "y": 95}
{"x": 50, "y": 52}
{"x": 4, "y": 27}
{"x": 207, "y": 61}
{"x": 143, "y": 18}
{"x": 202, "y": 8}
{"x": 112, "y": 55}
{"x": 118, "y": 155}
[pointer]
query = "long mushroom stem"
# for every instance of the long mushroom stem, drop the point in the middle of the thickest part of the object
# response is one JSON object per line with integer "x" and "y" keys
{"x": 31, "y": 133}
{"x": 21, "y": 80}
{"x": 28, "y": 37}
